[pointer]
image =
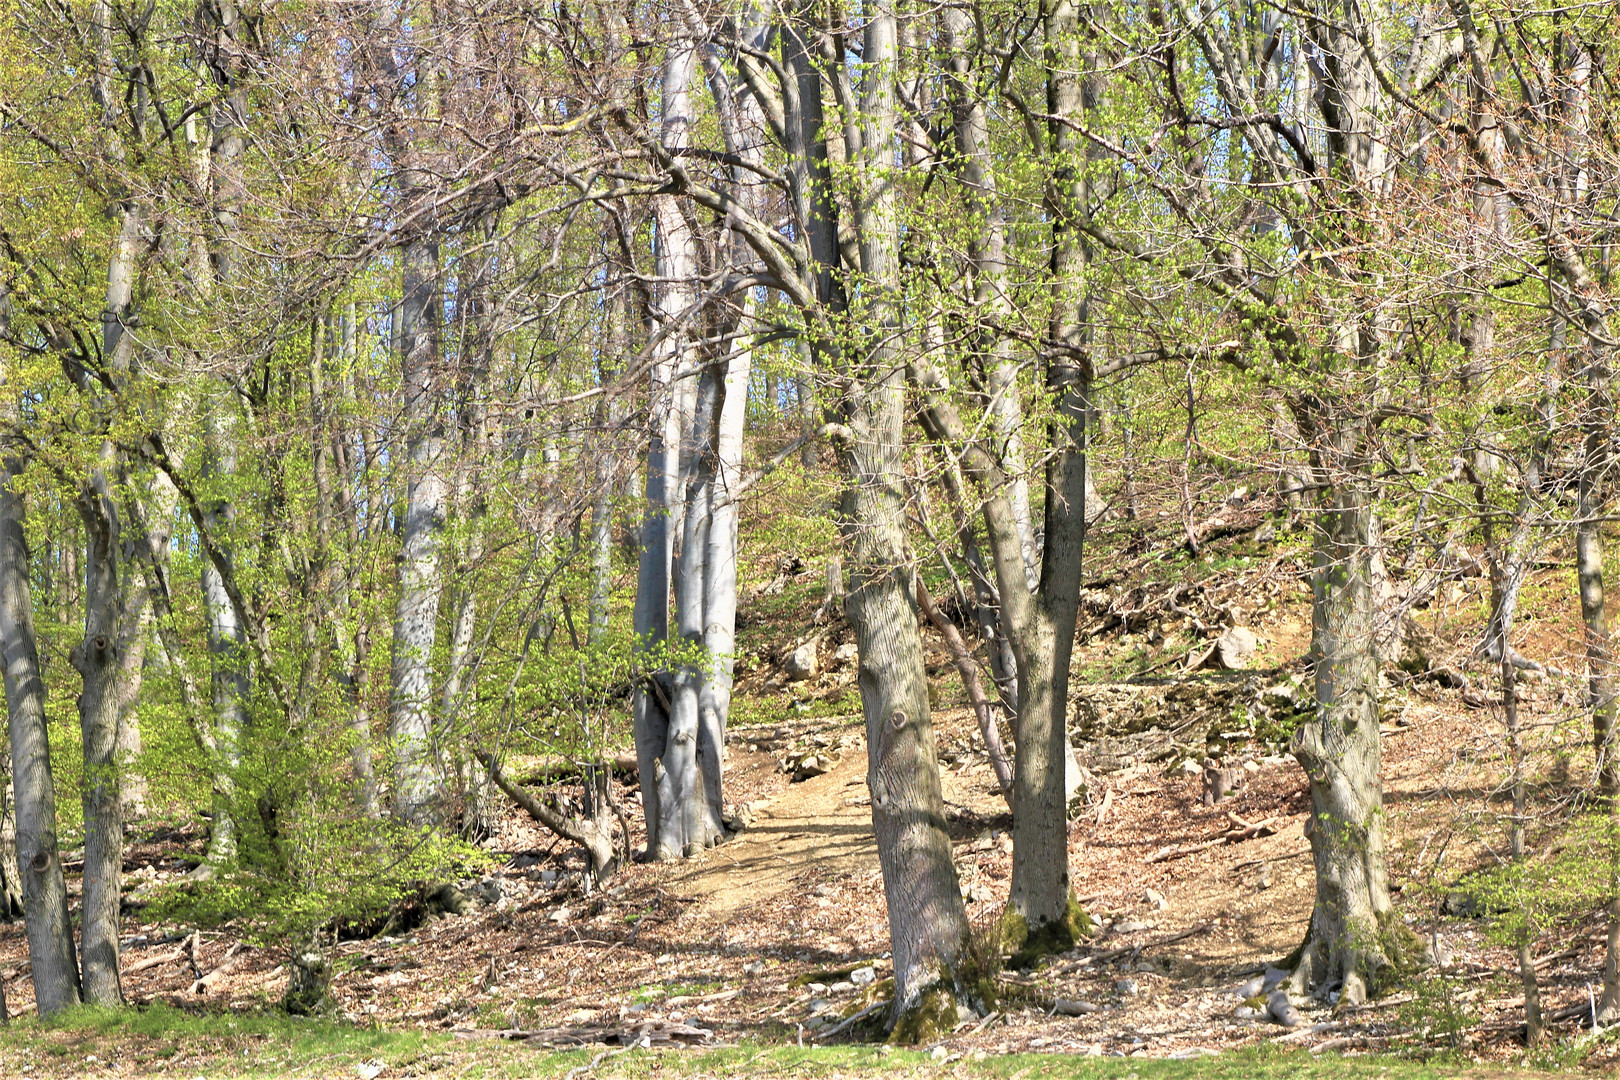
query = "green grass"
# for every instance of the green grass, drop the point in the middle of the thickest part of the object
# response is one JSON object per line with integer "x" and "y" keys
{"x": 162, "y": 1041}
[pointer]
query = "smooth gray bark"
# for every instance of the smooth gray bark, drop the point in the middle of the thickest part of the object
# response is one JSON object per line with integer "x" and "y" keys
{"x": 1340, "y": 752}
{"x": 928, "y": 928}
{"x": 227, "y": 653}
{"x": 52, "y": 959}
{"x": 656, "y": 732}
{"x": 417, "y": 772}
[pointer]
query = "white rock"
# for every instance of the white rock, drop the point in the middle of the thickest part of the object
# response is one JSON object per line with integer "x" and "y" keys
{"x": 801, "y": 663}
{"x": 1065, "y": 1007}
{"x": 816, "y": 989}
{"x": 559, "y": 916}
{"x": 1234, "y": 648}
{"x": 863, "y": 976}
{"x": 1156, "y": 898}
{"x": 847, "y": 652}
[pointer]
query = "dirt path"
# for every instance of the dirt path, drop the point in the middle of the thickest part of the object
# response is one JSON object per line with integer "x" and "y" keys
{"x": 824, "y": 822}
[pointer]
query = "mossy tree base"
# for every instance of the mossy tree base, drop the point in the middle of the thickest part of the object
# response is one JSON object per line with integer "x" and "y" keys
{"x": 1023, "y": 946}
{"x": 308, "y": 982}
{"x": 1361, "y": 964}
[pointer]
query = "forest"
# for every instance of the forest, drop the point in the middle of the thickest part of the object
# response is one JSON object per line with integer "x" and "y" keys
{"x": 978, "y": 525}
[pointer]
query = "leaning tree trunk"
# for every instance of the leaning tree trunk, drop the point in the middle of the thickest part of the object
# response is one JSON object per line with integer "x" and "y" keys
{"x": 51, "y": 954}
{"x": 1339, "y": 750}
{"x": 417, "y": 773}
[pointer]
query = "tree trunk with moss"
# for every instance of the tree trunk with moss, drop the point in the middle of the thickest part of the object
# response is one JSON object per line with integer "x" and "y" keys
{"x": 1350, "y": 937}
{"x": 1042, "y": 916}
{"x": 928, "y": 928}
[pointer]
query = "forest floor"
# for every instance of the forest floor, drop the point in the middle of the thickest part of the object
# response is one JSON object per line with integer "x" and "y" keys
{"x": 762, "y": 940}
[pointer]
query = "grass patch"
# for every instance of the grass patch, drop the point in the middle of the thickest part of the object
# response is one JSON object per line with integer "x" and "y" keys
{"x": 161, "y": 1040}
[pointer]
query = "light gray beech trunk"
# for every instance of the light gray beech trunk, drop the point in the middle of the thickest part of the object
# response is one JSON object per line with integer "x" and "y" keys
{"x": 51, "y": 955}
{"x": 219, "y": 148}
{"x": 111, "y": 629}
{"x": 690, "y": 818}
{"x": 1340, "y": 752}
{"x": 11, "y": 897}
{"x": 227, "y": 652}
{"x": 658, "y": 731}
{"x": 928, "y": 927}
{"x": 617, "y": 314}
{"x": 418, "y": 774}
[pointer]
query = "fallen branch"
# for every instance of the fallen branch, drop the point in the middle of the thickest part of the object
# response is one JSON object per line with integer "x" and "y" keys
{"x": 233, "y": 956}
{"x": 850, "y": 1021}
{"x": 156, "y": 961}
{"x": 564, "y": 827}
{"x": 1111, "y": 954}
{"x": 1240, "y": 831}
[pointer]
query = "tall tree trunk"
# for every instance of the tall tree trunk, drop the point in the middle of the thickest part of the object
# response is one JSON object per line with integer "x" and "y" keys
{"x": 928, "y": 928}
{"x": 418, "y": 774}
{"x": 1339, "y": 750}
{"x": 11, "y": 896}
{"x": 228, "y": 661}
{"x": 689, "y": 816}
{"x": 111, "y": 628}
{"x": 51, "y": 955}
{"x": 1042, "y": 915}
{"x": 676, "y": 268}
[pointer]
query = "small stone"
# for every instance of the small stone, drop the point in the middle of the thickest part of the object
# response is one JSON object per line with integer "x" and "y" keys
{"x": 1265, "y": 876}
{"x": 842, "y": 986}
{"x": 754, "y": 967}
{"x": 1251, "y": 766}
{"x": 1156, "y": 898}
{"x": 559, "y": 916}
{"x": 1066, "y": 1007}
{"x": 863, "y": 976}
{"x": 1189, "y": 767}
{"x": 1131, "y": 926}
{"x": 1300, "y": 881}
{"x": 1244, "y": 1012}
{"x": 847, "y": 652}
{"x": 1127, "y": 988}
{"x": 801, "y": 663}
{"x": 1235, "y": 647}
{"x": 819, "y": 1005}
{"x": 939, "y": 1053}
{"x": 816, "y": 989}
